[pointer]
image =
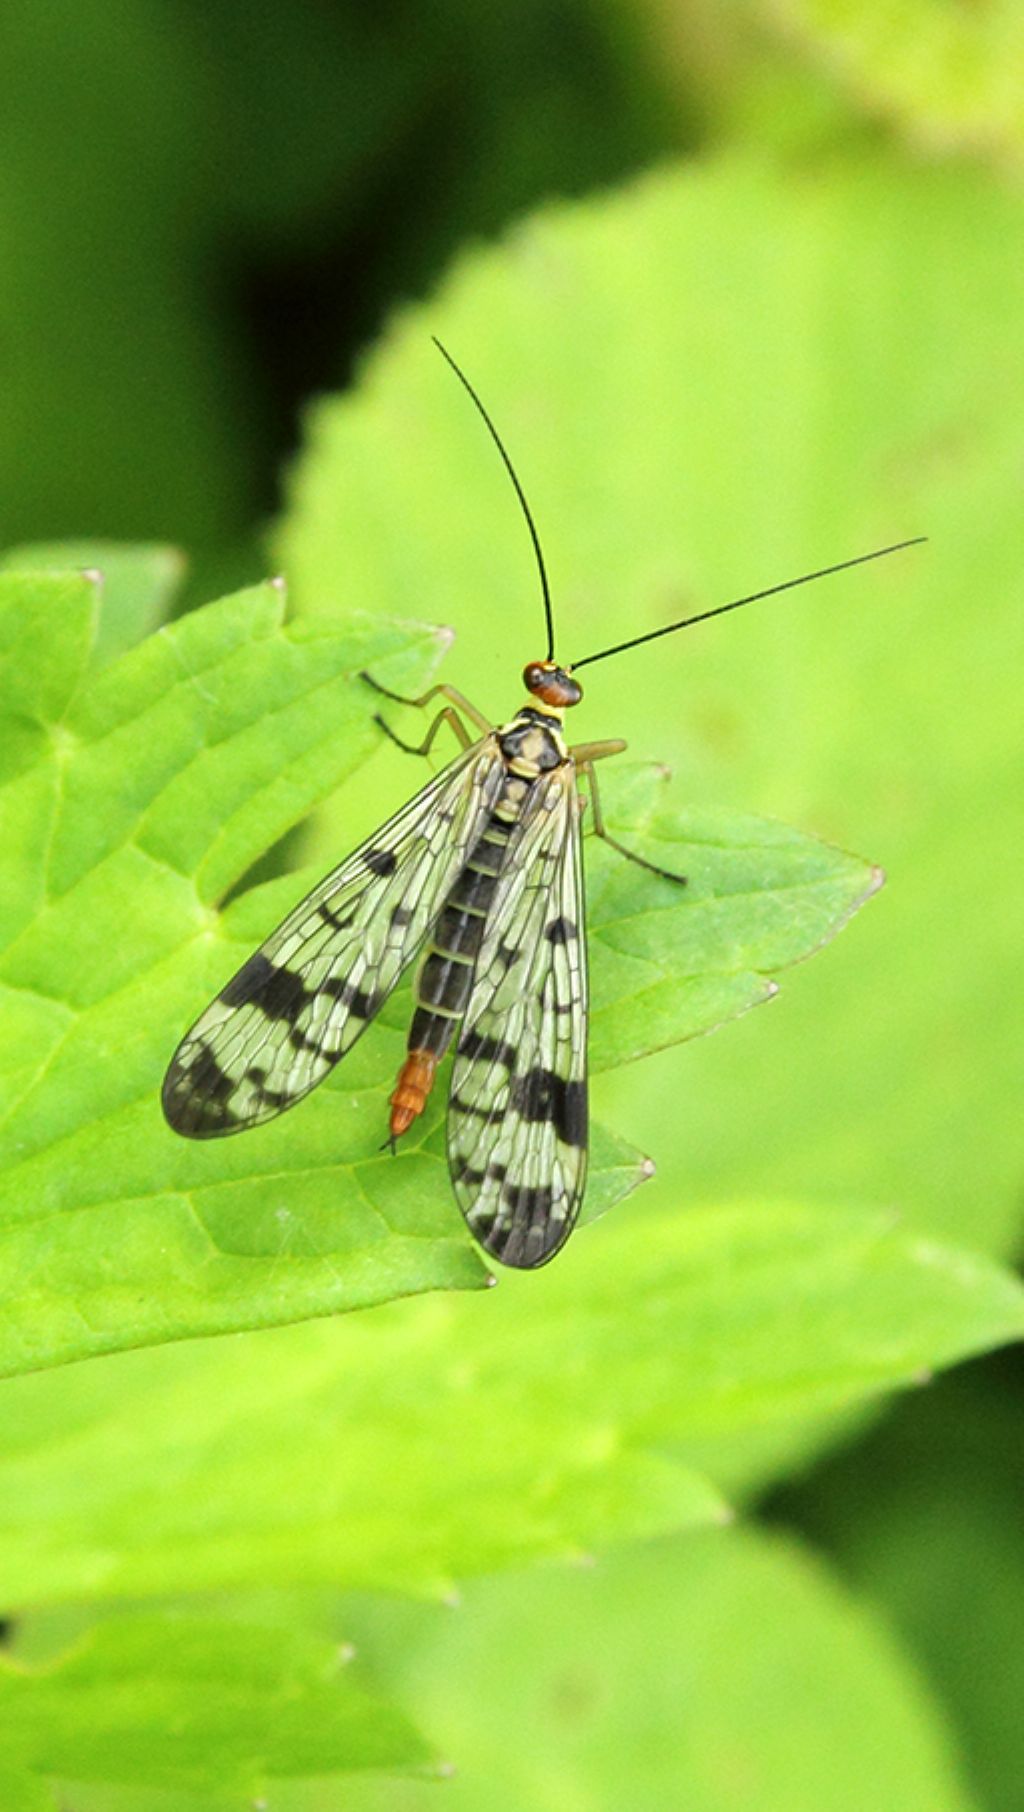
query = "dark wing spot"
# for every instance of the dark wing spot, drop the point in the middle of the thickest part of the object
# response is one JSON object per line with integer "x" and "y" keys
{"x": 249, "y": 980}
{"x": 506, "y": 955}
{"x": 529, "y": 1200}
{"x": 560, "y": 931}
{"x": 381, "y": 861}
{"x": 401, "y": 917}
{"x": 195, "y": 1097}
{"x": 300, "y": 1042}
{"x": 541, "y": 1095}
{"x": 493, "y": 1115}
{"x": 362, "y": 1003}
{"x": 280, "y": 993}
{"x": 571, "y": 1123}
{"x": 332, "y": 919}
{"x": 480, "y": 1049}
{"x": 273, "y": 1098}
{"x": 531, "y": 1233}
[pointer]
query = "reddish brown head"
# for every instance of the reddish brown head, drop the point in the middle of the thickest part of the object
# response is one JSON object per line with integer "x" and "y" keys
{"x": 552, "y": 684}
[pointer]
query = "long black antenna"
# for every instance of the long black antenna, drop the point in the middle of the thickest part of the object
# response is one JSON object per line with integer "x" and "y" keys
{"x": 510, "y": 469}
{"x": 770, "y": 592}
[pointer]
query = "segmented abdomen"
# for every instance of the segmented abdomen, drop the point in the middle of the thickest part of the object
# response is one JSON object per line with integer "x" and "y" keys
{"x": 445, "y": 976}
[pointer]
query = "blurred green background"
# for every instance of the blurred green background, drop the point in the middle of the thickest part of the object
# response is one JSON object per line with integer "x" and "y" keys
{"x": 766, "y": 311}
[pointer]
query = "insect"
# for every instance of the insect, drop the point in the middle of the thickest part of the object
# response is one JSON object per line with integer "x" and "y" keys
{"x": 480, "y": 875}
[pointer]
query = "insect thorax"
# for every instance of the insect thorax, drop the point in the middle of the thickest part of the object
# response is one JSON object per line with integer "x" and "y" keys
{"x": 532, "y": 743}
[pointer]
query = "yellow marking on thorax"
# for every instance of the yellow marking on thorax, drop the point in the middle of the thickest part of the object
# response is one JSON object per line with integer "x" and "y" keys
{"x": 555, "y": 712}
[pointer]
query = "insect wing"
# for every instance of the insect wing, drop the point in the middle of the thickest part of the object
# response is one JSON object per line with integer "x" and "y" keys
{"x": 517, "y": 1118}
{"x": 303, "y": 999}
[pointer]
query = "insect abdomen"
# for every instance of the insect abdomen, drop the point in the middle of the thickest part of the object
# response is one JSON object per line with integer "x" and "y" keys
{"x": 445, "y": 977}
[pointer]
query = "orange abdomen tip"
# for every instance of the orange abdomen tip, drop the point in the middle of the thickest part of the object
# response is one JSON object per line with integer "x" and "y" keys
{"x": 415, "y": 1081}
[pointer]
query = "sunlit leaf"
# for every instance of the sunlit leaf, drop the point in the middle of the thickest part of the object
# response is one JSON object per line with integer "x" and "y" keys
{"x": 23, "y": 1791}
{"x": 136, "y": 799}
{"x": 949, "y": 74}
{"x": 424, "y": 1442}
{"x": 719, "y": 377}
{"x": 137, "y": 583}
{"x": 187, "y": 1702}
{"x": 720, "y": 1674}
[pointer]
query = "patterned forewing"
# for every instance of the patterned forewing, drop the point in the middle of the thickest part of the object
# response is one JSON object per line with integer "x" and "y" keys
{"x": 303, "y": 999}
{"x": 517, "y": 1120}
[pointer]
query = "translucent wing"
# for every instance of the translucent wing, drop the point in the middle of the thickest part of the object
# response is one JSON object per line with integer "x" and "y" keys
{"x": 302, "y": 1000}
{"x": 517, "y": 1116}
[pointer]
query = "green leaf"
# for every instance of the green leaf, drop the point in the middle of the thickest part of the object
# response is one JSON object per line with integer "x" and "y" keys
{"x": 137, "y": 798}
{"x": 429, "y": 1441}
{"x": 183, "y": 1703}
{"x": 949, "y": 75}
{"x": 669, "y": 964}
{"x": 923, "y": 1517}
{"x": 138, "y": 583}
{"x": 47, "y": 630}
{"x": 21, "y": 1791}
{"x": 716, "y": 378}
{"x": 720, "y": 1674}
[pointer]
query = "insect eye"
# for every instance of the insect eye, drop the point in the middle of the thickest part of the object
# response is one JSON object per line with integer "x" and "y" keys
{"x": 534, "y": 677}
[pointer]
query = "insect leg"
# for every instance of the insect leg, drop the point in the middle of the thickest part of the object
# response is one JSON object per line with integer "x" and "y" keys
{"x": 586, "y": 752}
{"x": 454, "y": 697}
{"x": 585, "y": 756}
{"x": 448, "y": 716}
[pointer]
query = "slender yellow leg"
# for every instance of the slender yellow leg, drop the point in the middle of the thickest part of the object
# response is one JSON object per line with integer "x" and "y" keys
{"x": 584, "y": 757}
{"x": 455, "y": 698}
{"x": 448, "y": 716}
{"x": 586, "y": 752}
